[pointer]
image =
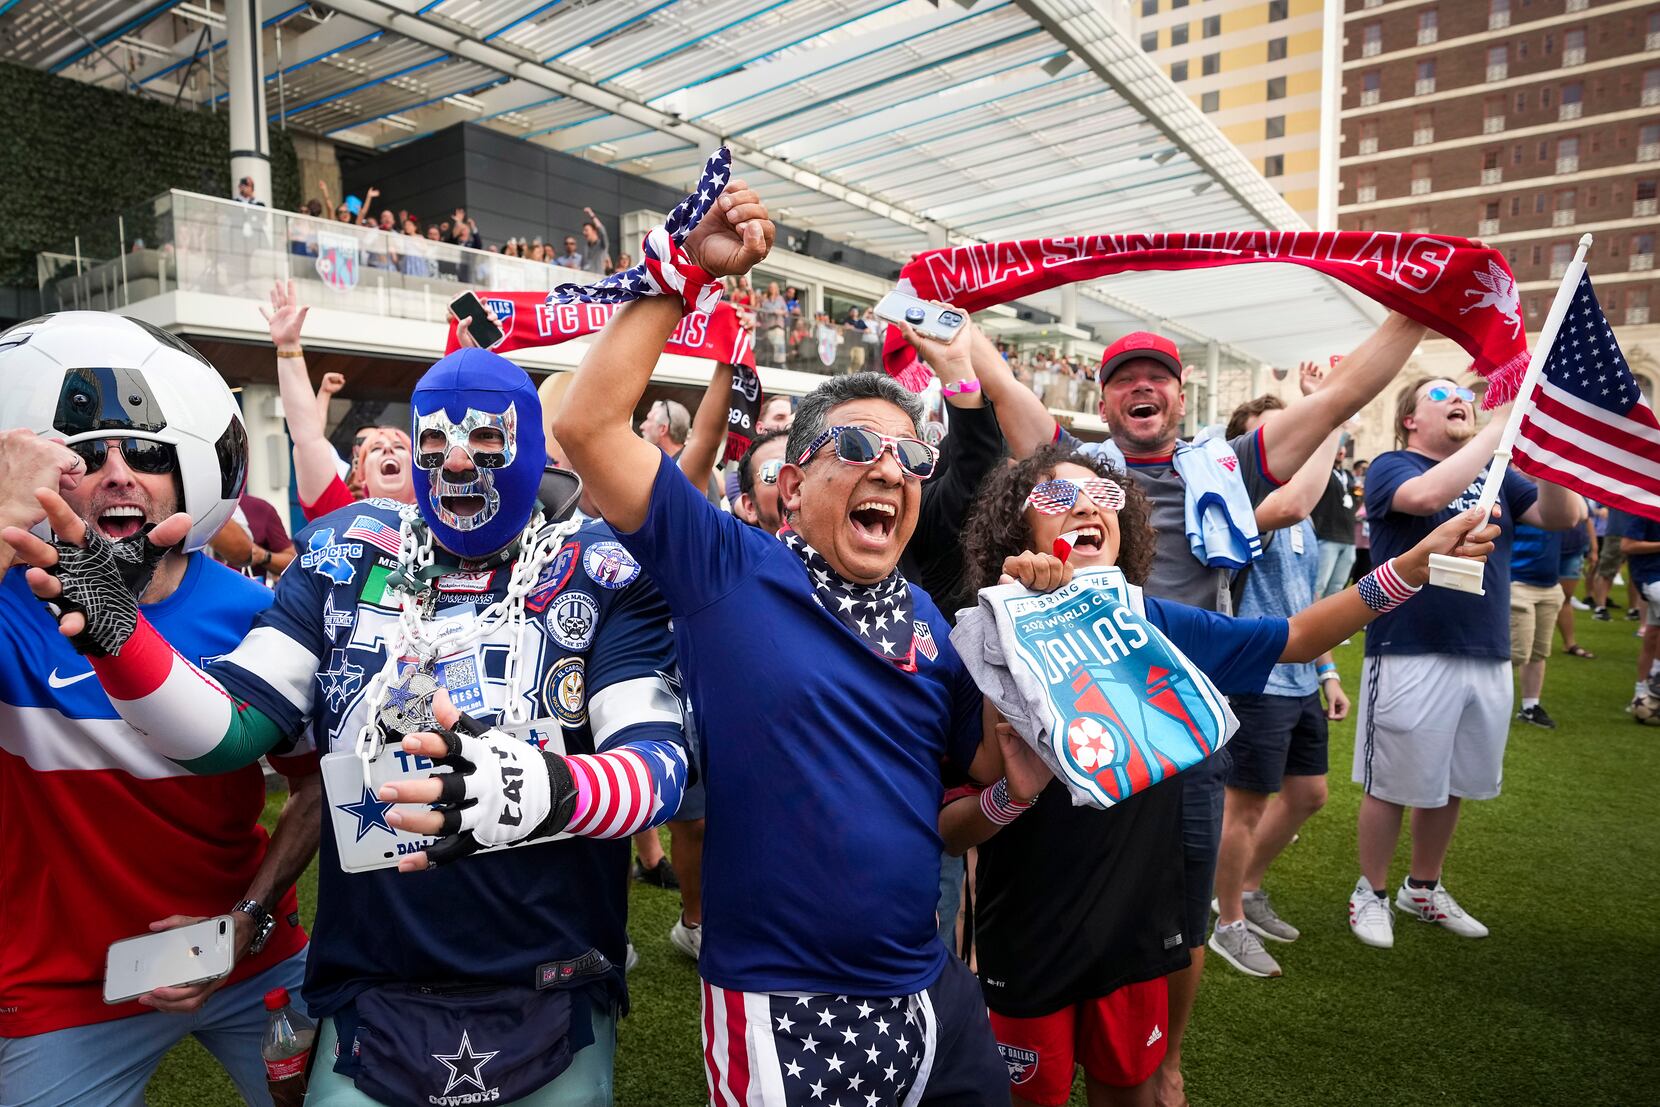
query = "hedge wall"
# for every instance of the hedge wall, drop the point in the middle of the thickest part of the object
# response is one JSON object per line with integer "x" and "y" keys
{"x": 73, "y": 156}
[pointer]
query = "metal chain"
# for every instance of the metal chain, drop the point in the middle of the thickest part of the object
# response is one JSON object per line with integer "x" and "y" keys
{"x": 538, "y": 545}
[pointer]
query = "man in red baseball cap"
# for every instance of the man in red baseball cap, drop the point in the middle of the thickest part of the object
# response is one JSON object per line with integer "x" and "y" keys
{"x": 1143, "y": 405}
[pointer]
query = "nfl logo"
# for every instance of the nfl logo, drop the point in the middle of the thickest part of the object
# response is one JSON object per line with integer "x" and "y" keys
{"x": 504, "y": 312}
{"x": 337, "y": 261}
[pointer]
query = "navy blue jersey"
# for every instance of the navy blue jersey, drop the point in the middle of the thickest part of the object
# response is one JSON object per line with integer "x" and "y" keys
{"x": 593, "y": 622}
{"x": 821, "y": 857}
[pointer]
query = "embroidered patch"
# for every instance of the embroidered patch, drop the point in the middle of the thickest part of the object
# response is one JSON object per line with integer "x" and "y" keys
{"x": 572, "y": 619}
{"x": 925, "y": 643}
{"x": 328, "y": 558}
{"x": 565, "y": 693}
{"x": 553, "y": 578}
{"x": 609, "y": 565}
{"x": 378, "y": 534}
{"x": 1022, "y": 1062}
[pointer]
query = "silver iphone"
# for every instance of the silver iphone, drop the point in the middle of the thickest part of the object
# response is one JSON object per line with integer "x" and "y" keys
{"x": 932, "y": 320}
{"x": 173, "y": 958}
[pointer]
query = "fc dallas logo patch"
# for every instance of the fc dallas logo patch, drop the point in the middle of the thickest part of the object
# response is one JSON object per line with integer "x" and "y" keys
{"x": 1022, "y": 1062}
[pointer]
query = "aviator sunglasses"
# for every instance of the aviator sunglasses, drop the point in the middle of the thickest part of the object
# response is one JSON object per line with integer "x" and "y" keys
{"x": 1052, "y": 497}
{"x": 142, "y": 455}
{"x": 1441, "y": 393}
{"x": 859, "y": 446}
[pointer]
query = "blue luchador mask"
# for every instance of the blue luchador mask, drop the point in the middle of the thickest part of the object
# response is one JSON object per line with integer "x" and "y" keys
{"x": 485, "y": 407}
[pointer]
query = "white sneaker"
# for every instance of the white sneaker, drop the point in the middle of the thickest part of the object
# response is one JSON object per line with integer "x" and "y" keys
{"x": 687, "y": 939}
{"x": 1579, "y": 604}
{"x": 1369, "y": 916}
{"x": 631, "y": 959}
{"x": 1436, "y": 905}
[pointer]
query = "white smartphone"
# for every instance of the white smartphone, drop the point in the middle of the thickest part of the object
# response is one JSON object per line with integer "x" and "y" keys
{"x": 173, "y": 958}
{"x": 931, "y": 319}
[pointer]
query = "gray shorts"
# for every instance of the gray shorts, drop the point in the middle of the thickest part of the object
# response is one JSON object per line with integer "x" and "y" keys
{"x": 1432, "y": 726}
{"x": 1651, "y": 603}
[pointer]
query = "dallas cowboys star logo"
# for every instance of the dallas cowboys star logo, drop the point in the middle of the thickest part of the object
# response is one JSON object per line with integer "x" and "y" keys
{"x": 370, "y": 814}
{"x": 339, "y": 680}
{"x": 466, "y": 1066}
{"x": 334, "y": 620}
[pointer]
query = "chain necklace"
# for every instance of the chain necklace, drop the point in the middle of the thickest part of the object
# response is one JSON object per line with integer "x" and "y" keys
{"x": 415, "y": 636}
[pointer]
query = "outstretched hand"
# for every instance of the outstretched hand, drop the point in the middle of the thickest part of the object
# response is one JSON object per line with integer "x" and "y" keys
{"x": 40, "y": 556}
{"x": 286, "y": 316}
{"x": 733, "y": 235}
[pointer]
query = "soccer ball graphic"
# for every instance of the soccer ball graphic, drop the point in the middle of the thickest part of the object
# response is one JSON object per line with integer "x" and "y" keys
{"x": 1646, "y": 710}
{"x": 1093, "y": 747}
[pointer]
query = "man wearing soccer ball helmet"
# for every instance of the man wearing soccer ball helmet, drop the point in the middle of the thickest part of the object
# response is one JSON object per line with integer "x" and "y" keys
{"x": 106, "y": 840}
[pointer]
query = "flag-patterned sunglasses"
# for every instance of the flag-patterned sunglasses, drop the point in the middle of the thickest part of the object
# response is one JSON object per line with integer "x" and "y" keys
{"x": 1052, "y": 497}
{"x": 861, "y": 446}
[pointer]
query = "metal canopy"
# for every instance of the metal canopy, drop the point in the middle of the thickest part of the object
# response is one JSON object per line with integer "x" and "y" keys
{"x": 890, "y": 125}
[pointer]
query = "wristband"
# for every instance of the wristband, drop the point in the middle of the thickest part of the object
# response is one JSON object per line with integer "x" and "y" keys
{"x": 961, "y": 388}
{"x": 1383, "y": 589}
{"x": 291, "y": 353}
{"x": 999, "y": 807}
{"x": 1331, "y": 674}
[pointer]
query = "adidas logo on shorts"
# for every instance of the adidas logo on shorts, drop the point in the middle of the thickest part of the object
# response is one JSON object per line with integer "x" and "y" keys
{"x": 1154, "y": 1036}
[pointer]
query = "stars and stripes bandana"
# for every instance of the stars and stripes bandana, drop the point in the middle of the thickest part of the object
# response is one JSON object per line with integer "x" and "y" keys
{"x": 665, "y": 269}
{"x": 880, "y": 614}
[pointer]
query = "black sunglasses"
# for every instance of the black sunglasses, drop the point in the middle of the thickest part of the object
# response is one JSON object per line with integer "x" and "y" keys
{"x": 142, "y": 455}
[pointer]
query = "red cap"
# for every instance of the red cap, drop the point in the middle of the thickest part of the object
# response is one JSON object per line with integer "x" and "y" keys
{"x": 1139, "y": 344}
{"x": 276, "y": 999}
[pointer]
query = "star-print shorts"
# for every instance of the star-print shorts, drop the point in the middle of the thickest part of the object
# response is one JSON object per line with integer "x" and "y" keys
{"x": 793, "y": 1049}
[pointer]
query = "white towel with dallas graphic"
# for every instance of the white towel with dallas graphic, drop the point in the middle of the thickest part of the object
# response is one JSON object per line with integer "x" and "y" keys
{"x": 1109, "y": 703}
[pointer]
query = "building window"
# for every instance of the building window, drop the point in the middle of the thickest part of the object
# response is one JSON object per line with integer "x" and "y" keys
{"x": 1371, "y": 40}
{"x": 1421, "y": 181}
{"x": 1278, "y": 10}
{"x": 1273, "y": 165}
{"x": 1492, "y": 115}
{"x": 1651, "y": 88}
{"x": 1428, "y": 27}
{"x": 1538, "y": 254}
{"x": 1212, "y": 26}
{"x": 1277, "y": 49}
{"x": 1178, "y": 35}
{"x": 1276, "y": 88}
{"x": 1178, "y": 71}
{"x": 1538, "y": 203}
{"x": 1425, "y": 83}
{"x": 1567, "y": 154}
{"x": 1149, "y": 41}
{"x": 1210, "y": 65}
{"x": 1573, "y": 47}
{"x": 1498, "y": 62}
{"x": 1561, "y": 253}
{"x": 1423, "y": 126}
{"x": 1274, "y": 127}
{"x": 1174, "y": 4}
{"x": 1498, "y": 14}
{"x": 1366, "y": 186}
{"x": 1371, "y": 87}
{"x": 1418, "y": 220}
{"x": 1210, "y": 101}
{"x": 1515, "y": 205}
{"x": 1149, "y": 7}
{"x": 1521, "y": 102}
{"x": 1563, "y": 213}
{"x": 1516, "y": 154}
{"x": 1646, "y": 200}
{"x": 1368, "y": 136}
{"x": 1648, "y": 142}
{"x": 1490, "y": 211}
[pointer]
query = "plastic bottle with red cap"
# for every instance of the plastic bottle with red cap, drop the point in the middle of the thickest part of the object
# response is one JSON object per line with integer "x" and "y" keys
{"x": 286, "y": 1048}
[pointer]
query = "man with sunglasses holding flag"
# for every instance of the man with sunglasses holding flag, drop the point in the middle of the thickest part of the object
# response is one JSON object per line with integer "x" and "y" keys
{"x": 106, "y": 840}
{"x": 827, "y": 696}
{"x": 1435, "y": 693}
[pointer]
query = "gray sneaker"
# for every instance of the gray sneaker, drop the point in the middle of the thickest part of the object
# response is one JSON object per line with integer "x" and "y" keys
{"x": 1265, "y": 922}
{"x": 1243, "y": 950}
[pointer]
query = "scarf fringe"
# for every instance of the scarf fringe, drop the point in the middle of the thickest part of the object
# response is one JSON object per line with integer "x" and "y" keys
{"x": 1505, "y": 381}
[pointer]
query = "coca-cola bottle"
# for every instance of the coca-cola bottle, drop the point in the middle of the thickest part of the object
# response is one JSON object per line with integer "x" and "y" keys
{"x": 286, "y": 1049}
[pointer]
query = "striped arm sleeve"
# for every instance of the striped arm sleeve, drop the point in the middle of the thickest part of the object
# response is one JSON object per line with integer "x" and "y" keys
{"x": 183, "y": 713}
{"x": 637, "y": 779}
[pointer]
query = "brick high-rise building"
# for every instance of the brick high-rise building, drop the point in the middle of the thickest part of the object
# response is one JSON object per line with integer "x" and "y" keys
{"x": 1254, "y": 66}
{"x": 1520, "y": 122}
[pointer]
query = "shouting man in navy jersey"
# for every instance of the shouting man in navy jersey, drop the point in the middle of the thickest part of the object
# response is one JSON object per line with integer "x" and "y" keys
{"x": 828, "y": 695}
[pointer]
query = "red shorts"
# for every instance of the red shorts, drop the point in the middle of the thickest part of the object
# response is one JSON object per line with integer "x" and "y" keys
{"x": 1119, "y": 1039}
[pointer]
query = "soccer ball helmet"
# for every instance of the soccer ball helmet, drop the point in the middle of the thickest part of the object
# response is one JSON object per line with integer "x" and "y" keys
{"x": 88, "y": 375}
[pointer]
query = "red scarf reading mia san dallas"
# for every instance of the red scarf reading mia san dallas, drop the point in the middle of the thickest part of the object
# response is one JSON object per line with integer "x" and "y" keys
{"x": 528, "y": 320}
{"x": 1451, "y": 285}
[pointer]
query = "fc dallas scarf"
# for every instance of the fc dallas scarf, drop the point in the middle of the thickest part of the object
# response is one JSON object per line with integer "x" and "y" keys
{"x": 1451, "y": 285}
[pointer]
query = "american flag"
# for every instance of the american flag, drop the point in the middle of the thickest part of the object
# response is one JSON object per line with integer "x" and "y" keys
{"x": 630, "y": 284}
{"x": 368, "y": 529}
{"x": 1589, "y": 427}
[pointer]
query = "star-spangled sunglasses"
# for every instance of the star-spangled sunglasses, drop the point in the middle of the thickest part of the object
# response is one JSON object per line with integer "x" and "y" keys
{"x": 1441, "y": 393}
{"x": 142, "y": 455}
{"x": 861, "y": 446}
{"x": 1052, "y": 497}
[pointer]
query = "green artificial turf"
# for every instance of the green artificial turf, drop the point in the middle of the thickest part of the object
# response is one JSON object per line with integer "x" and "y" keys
{"x": 1557, "y": 1007}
